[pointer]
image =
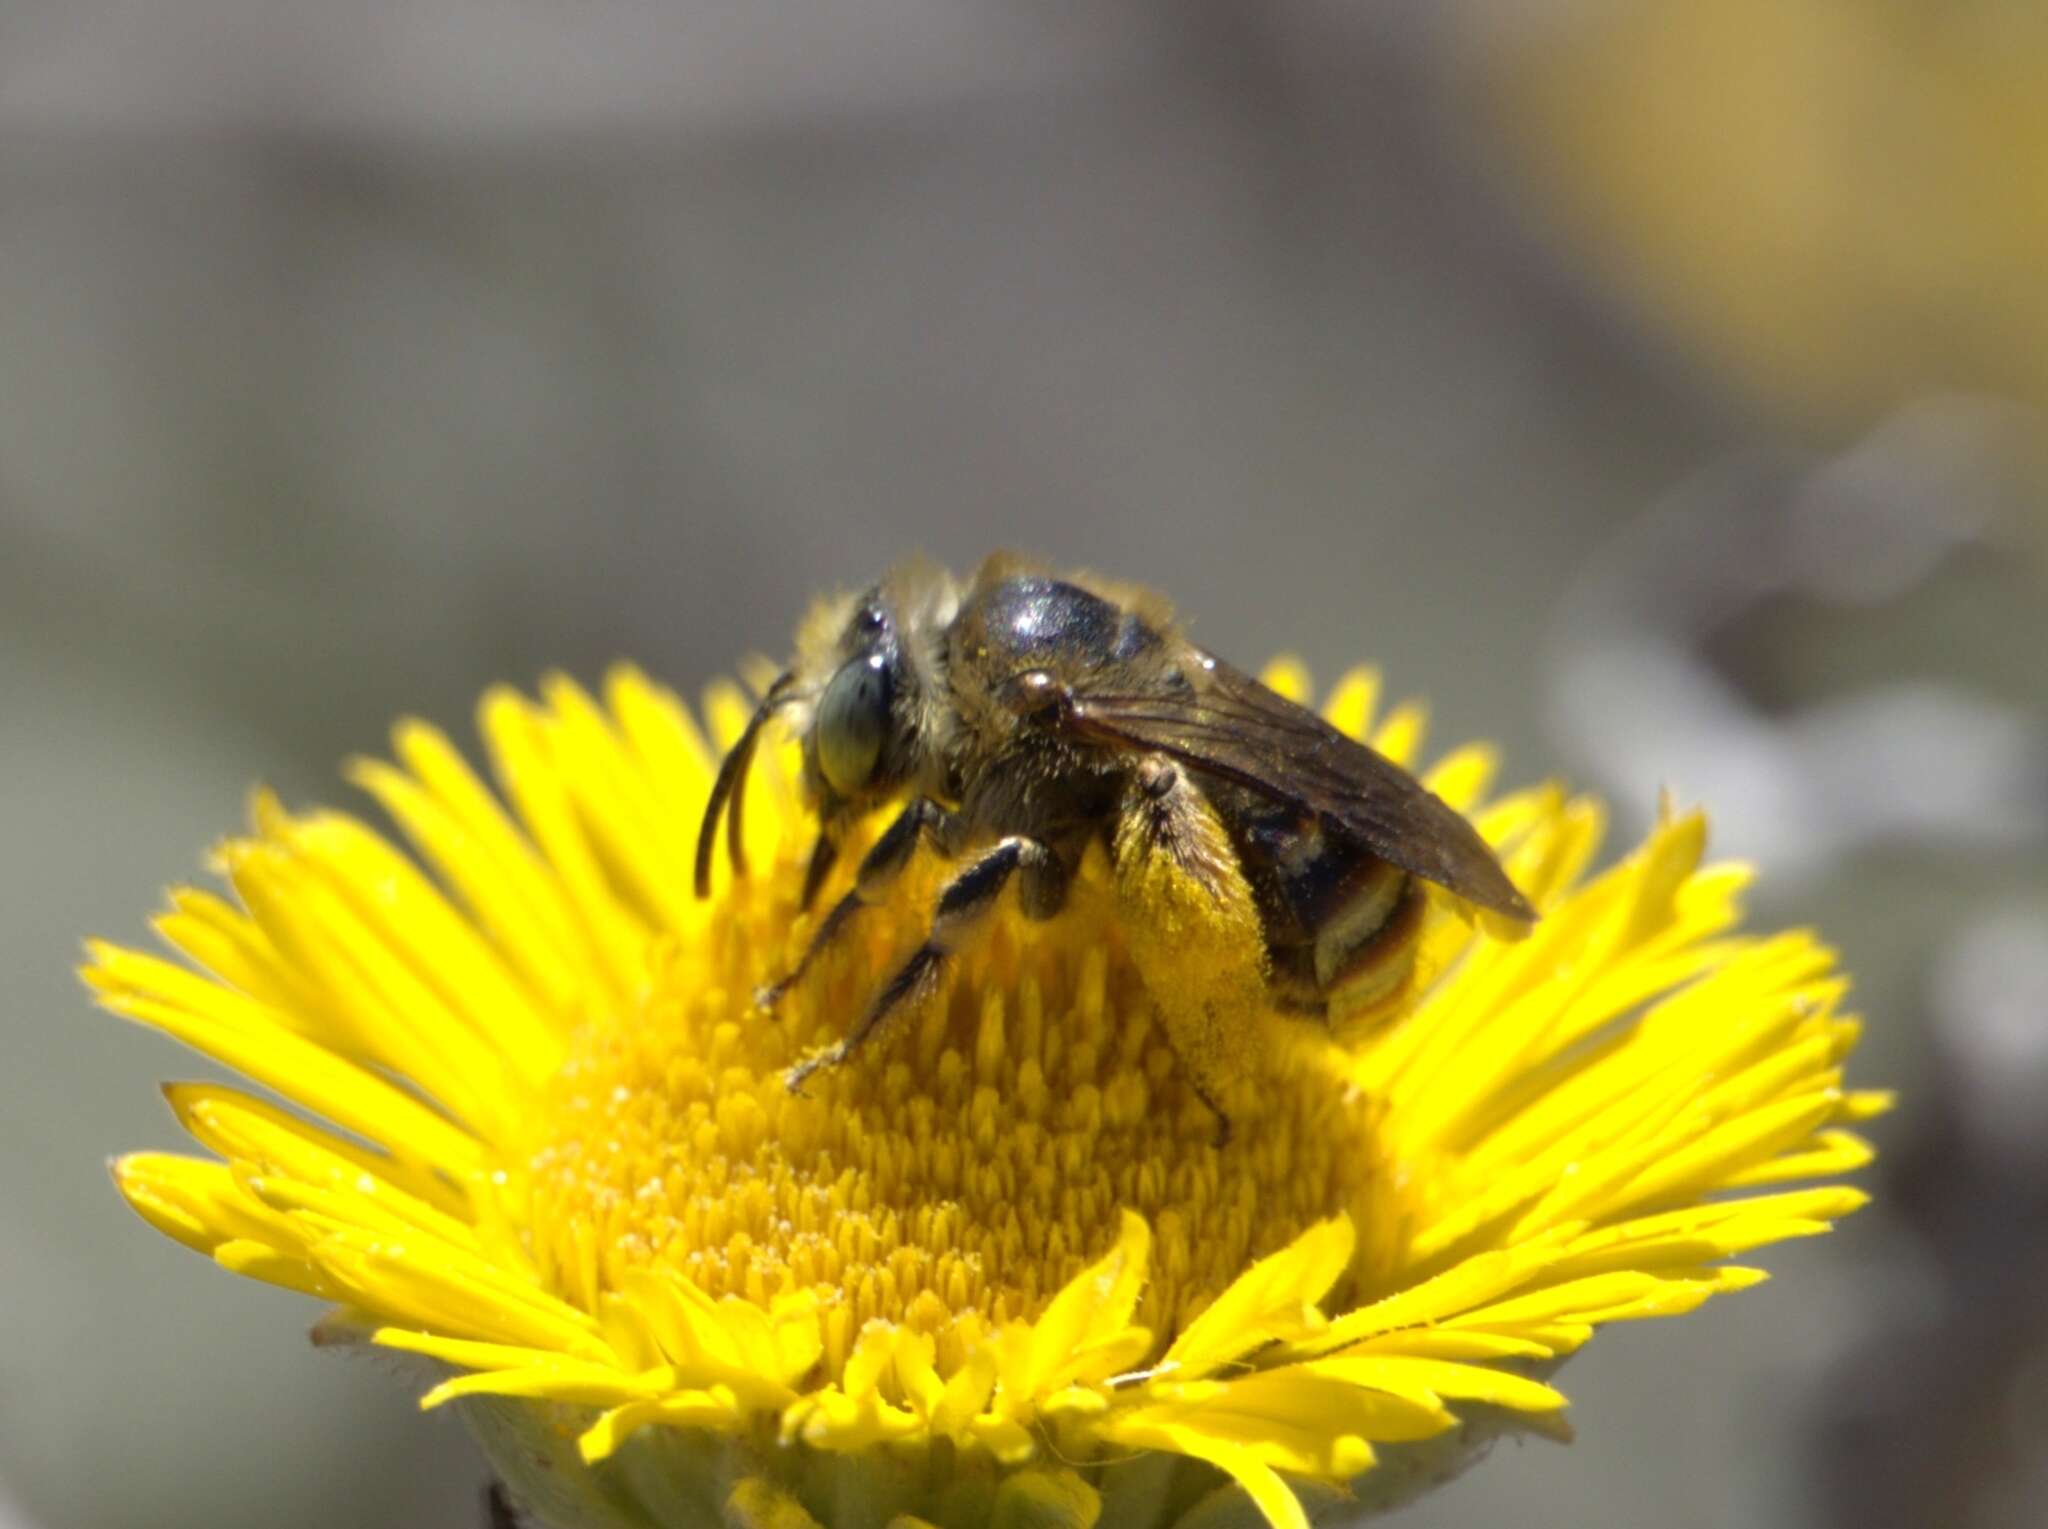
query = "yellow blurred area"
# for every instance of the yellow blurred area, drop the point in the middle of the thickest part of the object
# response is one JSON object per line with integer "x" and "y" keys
{"x": 1837, "y": 204}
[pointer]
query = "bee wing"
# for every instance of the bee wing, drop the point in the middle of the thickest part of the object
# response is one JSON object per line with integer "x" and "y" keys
{"x": 1227, "y": 725}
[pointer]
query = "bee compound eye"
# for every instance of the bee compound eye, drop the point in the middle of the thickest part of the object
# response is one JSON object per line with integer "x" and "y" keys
{"x": 853, "y": 722}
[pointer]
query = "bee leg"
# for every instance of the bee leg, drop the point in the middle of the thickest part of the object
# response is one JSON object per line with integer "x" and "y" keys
{"x": 498, "y": 1510}
{"x": 824, "y": 855}
{"x": 967, "y": 899}
{"x": 1224, "y": 1129}
{"x": 878, "y": 868}
{"x": 1193, "y": 931}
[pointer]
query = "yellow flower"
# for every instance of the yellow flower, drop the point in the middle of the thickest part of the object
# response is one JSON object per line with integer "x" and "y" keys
{"x": 997, "y": 1270}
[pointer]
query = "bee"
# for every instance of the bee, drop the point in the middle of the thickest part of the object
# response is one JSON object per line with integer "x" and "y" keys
{"x": 1258, "y": 855}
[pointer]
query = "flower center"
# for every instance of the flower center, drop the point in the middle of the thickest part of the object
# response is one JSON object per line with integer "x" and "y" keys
{"x": 967, "y": 1163}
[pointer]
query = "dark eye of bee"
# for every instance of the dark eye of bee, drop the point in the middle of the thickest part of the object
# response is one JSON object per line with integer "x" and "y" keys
{"x": 853, "y": 721}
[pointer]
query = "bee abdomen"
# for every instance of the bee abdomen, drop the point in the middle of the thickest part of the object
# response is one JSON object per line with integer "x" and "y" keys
{"x": 1366, "y": 953}
{"x": 1340, "y": 922}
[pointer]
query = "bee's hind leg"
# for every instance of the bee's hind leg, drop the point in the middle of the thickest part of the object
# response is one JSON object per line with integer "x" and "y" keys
{"x": 1042, "y": 880}
{"x": 1193, "y": 930}
{"x": 879, "y": 868}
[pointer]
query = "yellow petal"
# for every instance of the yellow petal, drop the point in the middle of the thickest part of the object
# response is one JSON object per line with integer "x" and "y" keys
{"x": 1276, "y": 1298}
{"x": 1086, "y": 1327}
{"x": 1353, "y": 700}
{"x": 238, "y": 1035}
{"x": 1268, "y": 1492}
{"x": 1434, "y": 1380}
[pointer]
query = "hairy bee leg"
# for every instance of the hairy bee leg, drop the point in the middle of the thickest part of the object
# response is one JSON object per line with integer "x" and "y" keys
{"x": 1193, "y": 930}
{"x": 967, "y": 899}
{"x": 879, "y": 868}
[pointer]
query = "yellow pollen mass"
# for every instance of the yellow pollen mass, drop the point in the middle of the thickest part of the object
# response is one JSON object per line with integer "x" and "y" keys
{"x": 959, "y": 1171}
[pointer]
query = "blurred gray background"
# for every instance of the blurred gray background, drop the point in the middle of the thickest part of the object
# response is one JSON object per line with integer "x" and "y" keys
{"x": 1656, "y": 386}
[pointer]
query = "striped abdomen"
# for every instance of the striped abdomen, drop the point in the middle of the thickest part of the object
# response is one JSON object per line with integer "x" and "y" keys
{"x": 1340, "y": 922}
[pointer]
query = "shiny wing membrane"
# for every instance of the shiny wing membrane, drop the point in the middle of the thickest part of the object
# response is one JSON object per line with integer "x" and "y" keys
{"x": 1227, "y": 725}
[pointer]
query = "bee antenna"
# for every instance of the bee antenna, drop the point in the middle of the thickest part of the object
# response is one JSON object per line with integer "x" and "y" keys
{"x": 729, "y": 790}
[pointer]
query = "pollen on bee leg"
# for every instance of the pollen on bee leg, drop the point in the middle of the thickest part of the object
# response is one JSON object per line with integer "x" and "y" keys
{"x": 1195, "y": 935}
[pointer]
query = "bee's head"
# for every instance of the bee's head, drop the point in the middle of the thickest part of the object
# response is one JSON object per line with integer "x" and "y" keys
{"x": 856, "y": 697}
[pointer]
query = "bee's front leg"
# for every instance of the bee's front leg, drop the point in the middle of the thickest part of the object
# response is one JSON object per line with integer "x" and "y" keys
{"x": 879, "y": 869}
{"x": 824, "y": 855}
{"x": 1042, "y": 879}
